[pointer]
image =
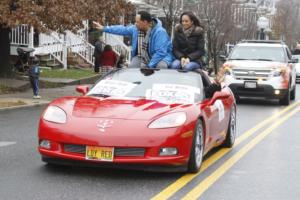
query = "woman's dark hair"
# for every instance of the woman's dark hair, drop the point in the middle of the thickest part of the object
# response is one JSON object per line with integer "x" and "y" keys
{"x": 192, "y": 17}
{"x": 145, "y": 16}
{"x": 107, "y": 48}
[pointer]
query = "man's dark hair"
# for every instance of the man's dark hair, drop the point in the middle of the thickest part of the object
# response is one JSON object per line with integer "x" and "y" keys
{"x": 145, "y": 16}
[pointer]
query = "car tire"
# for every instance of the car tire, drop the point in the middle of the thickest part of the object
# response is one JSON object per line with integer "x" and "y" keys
{"x": 196, "y": 155}
{"x": 231, "y": 131}
{"x": 237, "y": 99}
{"x": 285, "y": 100}
{"x": 293, "y": 93}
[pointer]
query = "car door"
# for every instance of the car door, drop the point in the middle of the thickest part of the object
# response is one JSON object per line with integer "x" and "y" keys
{"x": 217, "y": 110}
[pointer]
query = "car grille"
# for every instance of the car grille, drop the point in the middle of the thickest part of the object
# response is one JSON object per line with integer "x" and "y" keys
{"x": 118, "y": 151}
{"x": 252, "y": 74}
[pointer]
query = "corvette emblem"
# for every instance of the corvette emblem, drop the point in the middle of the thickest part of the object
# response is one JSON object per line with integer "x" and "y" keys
{"x": 104, "y": 124}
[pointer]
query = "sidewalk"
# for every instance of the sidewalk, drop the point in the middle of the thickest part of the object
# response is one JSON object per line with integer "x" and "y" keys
{"x": 22, "y": 97}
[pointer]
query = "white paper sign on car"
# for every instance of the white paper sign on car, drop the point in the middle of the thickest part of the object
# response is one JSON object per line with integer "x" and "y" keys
{"x": 113, "y": 88}
{"x": 174, "y": 93}
{"x": 219, "y": 105}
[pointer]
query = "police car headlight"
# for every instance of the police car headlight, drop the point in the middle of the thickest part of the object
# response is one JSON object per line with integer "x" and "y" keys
{"x": 55, "y": 114}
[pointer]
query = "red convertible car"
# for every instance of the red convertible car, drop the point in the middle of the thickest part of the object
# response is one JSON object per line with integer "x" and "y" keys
{"x": 148, "y": 119}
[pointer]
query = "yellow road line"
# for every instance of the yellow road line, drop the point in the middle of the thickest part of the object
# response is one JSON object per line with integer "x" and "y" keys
{"x": 206, "y": 183}
{"x": 185, "y": 179}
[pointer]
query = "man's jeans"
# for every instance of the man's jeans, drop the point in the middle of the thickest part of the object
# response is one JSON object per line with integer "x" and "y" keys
{"x": 191, "y": 66}
{"x": 136, "y": 63}
{"x": 34, "y": 85}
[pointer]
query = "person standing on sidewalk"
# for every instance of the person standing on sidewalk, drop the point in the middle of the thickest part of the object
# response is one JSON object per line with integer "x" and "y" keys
{"x": 151, "y": 44}
{"x": 97, "y": 54}
{"x": 108, "y": 59}
{"x": 33, "y": 73}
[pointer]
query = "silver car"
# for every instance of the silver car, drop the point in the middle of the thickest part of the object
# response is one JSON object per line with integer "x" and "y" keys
{"x": 297, "y": 66}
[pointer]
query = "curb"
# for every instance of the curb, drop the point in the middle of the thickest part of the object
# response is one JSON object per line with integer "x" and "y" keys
{"x": 44, "y": 83}
{"x": 24, "y": 106}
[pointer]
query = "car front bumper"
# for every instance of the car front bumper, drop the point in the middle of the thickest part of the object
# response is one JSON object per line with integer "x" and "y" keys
{"x": 265, "y": 91}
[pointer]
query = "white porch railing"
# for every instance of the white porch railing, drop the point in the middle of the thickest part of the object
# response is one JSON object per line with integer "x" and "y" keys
{"x": 54, "y": 45}
{"x": 79, "y": 45}
{"x": 57, "y": 44}
{"x": 116, "y": 41}
{"x": 20, "y": 35}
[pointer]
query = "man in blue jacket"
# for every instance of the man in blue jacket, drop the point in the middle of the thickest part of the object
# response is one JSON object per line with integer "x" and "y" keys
{"x": 151, "y": 44}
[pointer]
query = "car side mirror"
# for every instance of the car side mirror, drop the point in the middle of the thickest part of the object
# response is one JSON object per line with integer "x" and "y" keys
{"x": 294, "y": 60}
{"x": 212, "y": 89}
{"x": 222, "y": 58}
{"x": 219, "y": 95}
{"x": 83, "y": 89}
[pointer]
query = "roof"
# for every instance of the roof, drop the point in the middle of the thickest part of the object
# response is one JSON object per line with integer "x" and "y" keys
{"x": 261, "y": 44}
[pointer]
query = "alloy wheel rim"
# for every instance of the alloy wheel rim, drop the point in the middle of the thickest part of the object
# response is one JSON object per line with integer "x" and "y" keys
{"x": 232, "y": 125}
{"x": 198, "y": 146}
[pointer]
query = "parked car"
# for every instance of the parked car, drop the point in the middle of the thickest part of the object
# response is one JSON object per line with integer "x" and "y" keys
{"x": 297, "y": 67}
{"x": 260, "y": 68}
{"x": 148, "y": 119}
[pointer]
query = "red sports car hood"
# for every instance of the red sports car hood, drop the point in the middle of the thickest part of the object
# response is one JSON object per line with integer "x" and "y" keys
{"x": 138, "y": 109}
{"x": 253, "y": 64}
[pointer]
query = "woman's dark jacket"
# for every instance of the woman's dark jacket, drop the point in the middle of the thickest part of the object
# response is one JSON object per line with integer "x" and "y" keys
{"x": 191, "y": 47}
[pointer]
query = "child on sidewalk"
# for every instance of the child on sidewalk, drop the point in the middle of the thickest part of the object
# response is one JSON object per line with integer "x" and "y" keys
{"x": 34, "y": 72}
{"x": 108, "y": 59}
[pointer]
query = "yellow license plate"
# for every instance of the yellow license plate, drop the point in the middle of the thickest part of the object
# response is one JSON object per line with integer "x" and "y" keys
{"x": 99, "y": 153}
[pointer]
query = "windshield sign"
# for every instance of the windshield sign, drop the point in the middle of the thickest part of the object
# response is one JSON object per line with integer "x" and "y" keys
{"x": 167, "y": 86}
{"x": 113, "y": 88}
{"x": 173, "y": 93}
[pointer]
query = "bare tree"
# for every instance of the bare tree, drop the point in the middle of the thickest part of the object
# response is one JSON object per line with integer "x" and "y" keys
{"x": 171, "y": 9}
{"x": 217, "y": 19}
{"x": 286, "y": 21}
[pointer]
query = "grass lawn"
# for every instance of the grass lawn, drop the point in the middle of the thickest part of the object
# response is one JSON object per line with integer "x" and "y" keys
{"x": 68, "y": 74}
{"x": 4, "y": 89}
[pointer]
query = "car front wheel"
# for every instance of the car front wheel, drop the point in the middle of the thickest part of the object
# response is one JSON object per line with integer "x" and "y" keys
{"x": 231, "y": 131}
{"x": 196, "y": 155}
{"x": 286, "y": 98}
{"x": 293, "y": 93}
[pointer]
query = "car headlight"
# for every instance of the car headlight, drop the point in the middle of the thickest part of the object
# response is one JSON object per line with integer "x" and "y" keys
{"x": 169, "y": 121}
{"x": 278, "y": 71}
{"x": 55, "y": 114}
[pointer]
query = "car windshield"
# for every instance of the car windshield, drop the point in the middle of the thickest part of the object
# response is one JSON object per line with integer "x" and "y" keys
{"x": 166, "y": 86}
{"x": 261, "y": 53}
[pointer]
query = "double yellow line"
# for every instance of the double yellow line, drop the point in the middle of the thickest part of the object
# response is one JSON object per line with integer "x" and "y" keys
{"x": 206, "y": 183}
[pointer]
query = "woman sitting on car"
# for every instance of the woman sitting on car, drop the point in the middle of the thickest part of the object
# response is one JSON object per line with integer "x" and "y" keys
{"x": 188, "y": 43}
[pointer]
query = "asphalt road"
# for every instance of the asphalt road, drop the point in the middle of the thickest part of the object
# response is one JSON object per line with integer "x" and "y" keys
{"x": 263, "y": 165}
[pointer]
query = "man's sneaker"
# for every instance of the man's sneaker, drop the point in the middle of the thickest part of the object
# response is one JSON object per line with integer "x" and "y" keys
{"x": 36, "y": 96}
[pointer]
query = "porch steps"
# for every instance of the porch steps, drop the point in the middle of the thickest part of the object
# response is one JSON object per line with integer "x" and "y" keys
{"x": 47, "y": 61}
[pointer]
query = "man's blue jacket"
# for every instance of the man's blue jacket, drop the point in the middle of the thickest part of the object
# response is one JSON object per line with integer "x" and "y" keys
{"x": 160, "y": 46}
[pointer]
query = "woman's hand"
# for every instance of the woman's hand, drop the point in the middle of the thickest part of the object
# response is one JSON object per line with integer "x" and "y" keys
{"x": 184, "y": 62}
